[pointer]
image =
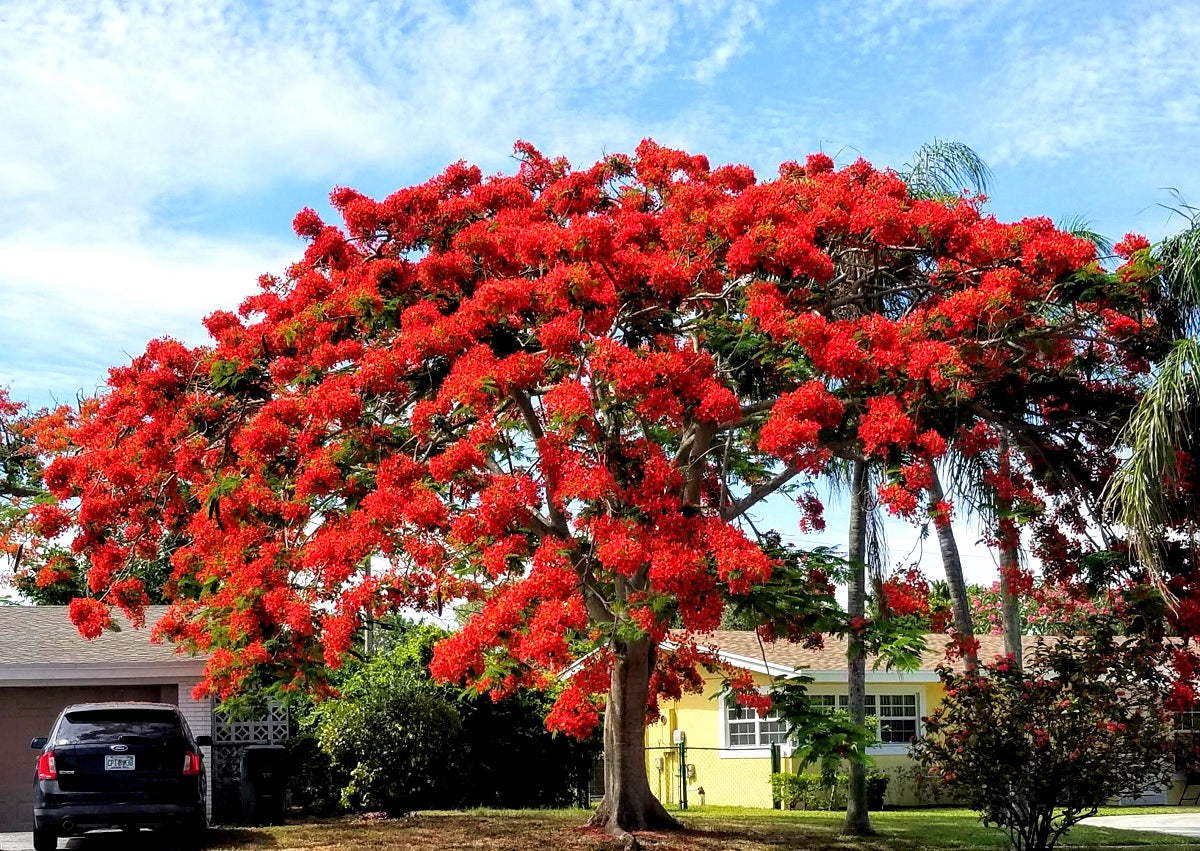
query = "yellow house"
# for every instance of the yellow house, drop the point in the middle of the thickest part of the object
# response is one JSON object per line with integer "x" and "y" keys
{"x": 727, "y": 754}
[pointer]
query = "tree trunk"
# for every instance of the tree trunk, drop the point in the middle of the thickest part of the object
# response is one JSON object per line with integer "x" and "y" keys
{"x": 952, "y": 566}
{"x": 1010, "y": 606}
{"x": 628, "y": 803}
{"x": 858, "y": 820}
{"x": 1010, "y": 566}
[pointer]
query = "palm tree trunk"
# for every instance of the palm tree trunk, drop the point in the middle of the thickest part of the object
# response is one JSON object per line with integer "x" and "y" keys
{"x": 858, "y": 820}
{"x": 1010, "y": 565}
{"x": 1010, "y": 605}
{"x": 960, "y": 604}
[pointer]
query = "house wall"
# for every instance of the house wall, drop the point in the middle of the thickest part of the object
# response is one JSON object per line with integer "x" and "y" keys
{"x": 198, "y": 714}
{"x": 718, "y": 774}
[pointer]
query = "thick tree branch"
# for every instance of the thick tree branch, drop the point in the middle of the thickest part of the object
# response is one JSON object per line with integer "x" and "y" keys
{"x": 20, "y": 491}
{"x": 758, "y": 494}
{"x": 557, "y": 522}
{"x": 749, "y": 414}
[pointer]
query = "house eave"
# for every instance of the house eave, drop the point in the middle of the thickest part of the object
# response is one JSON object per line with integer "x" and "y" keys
{"x": 100, "y": 673}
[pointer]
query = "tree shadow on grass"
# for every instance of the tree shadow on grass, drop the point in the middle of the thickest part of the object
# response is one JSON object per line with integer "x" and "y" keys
{"x": 148, "y": 840}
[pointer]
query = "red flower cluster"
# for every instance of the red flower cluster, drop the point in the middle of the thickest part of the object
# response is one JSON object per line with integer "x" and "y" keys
{"x": 906, "y": 593}
{"x": 91, "y": 617}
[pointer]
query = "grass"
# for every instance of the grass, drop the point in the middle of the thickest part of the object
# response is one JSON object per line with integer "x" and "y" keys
{"x": 708, "y": 829}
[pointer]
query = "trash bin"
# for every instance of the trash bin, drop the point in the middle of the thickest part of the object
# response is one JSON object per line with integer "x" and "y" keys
{"x": 264, "y": 784}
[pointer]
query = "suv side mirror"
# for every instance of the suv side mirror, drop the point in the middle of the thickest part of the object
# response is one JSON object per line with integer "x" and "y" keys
{"x": 204, "y": 741}
{"x": 38, "y": 743}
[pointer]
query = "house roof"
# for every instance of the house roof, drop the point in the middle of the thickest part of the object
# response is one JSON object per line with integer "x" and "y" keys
{"x": 832, "y": 655}
{"x": 42, "y": 639}
{"x": 828, "y": 662}
{"x": 45, "y": 635}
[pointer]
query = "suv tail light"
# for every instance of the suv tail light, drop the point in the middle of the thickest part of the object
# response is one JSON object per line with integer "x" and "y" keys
{"x": 47, "y": 770}
{"x": 191, "y": 764}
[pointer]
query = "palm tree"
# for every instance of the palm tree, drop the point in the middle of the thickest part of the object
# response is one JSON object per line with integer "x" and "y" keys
{"x": 942, "y": 169}
{"x": 858, "y": 819}
{"x": 956, "y": 586}
{"x": 939, "y": 170}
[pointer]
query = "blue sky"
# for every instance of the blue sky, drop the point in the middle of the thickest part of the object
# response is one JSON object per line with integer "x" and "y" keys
{"x": 153, "y": 154}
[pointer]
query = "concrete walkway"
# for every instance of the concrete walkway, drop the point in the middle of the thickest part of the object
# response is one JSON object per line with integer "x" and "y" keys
{"x": 1183, "y": 824}
{"x": 101, "y": 840}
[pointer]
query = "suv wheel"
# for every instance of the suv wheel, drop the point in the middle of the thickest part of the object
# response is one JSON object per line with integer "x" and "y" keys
{"x": 44, "y": 839}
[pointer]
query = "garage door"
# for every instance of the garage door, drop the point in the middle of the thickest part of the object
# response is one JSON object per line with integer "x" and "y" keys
{"x": 29, "y": 712}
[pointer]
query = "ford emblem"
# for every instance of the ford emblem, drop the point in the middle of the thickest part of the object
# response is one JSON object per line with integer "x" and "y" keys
{"x": 118, "y": 748}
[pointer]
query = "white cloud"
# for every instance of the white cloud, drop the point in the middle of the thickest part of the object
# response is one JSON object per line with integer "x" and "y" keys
{"x": 123, "y": 104}
{"x": 1122, "y": 84}
{"x": 114, "y": 111}
{"x": 74, "y": 308}
{"x": 878, "y": 27}
{"x": 742, "y": 20}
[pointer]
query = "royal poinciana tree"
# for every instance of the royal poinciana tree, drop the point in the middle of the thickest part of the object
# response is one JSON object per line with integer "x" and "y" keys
{"x": 555, "y": 394}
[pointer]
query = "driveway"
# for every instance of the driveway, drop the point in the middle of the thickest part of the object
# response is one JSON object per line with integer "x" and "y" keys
{"x": 1183, "y": 824}
{"x": 101, "y": 840}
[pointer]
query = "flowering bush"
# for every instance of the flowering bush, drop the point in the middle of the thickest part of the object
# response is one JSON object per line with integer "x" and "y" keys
{"x": 1047, "y": 609}
{"x": 1034, "y": 749}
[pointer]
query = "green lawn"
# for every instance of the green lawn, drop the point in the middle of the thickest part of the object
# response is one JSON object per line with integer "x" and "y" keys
{"x": 708, "y": 829}
{"x": 927, "y": 829}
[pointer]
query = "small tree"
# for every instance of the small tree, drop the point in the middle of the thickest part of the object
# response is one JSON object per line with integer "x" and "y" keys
{"x": 824, "y": 736}
{"x": 1035, "y": 750}
{"x": 20, "y": 478}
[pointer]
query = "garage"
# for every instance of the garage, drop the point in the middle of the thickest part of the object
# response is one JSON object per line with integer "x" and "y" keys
{"x": 45, "y": 665}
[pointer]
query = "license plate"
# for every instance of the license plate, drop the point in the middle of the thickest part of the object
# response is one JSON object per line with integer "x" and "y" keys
{"x": 113, "y": 762}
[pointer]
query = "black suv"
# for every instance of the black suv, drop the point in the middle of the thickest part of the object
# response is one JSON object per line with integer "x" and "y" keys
{"x": 127, "y": 765}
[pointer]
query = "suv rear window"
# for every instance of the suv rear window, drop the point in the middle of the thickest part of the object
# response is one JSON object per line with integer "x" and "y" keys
{"x": 107, "y": 724}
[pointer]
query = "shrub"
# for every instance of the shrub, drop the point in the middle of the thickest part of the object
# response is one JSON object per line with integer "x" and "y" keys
{"x": 511, "y": 759}
{"x": 816, "y": 792}
{"x": 314, "y": 785}
{"x": 1036, "y": 750}
{"x": 915, "y": 782}
{"x": 396, "y": 741}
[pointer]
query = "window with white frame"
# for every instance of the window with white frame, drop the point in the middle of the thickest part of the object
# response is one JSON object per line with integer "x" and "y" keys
{"x": 896, "y": 714}
{"x": 1188, "y": 719}
{"x": 746, "y": 730}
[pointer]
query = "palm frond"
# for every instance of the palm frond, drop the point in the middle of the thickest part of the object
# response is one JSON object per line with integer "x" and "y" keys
{"x": 1080, "y": 227}
{"x": 965, "y": 480}
{"x": 943, "y": 169}
{"x": 838, "y": 477}
{"x": 1179, "y": 256}
{"x": 1137, "y": 496}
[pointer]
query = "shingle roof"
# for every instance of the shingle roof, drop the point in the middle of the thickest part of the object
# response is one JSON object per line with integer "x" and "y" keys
{"x": 832, "y": 656}
{"x": 43, "y": 635}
